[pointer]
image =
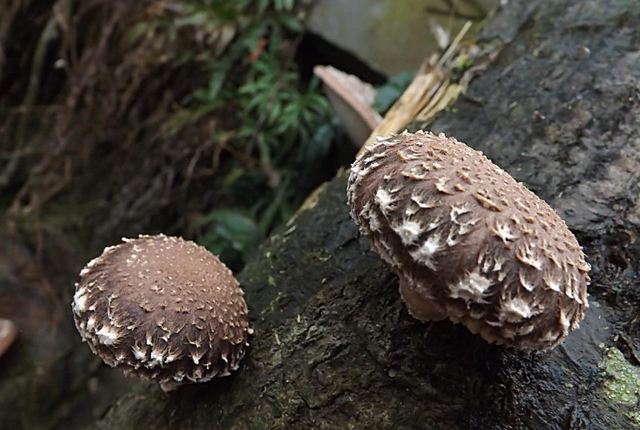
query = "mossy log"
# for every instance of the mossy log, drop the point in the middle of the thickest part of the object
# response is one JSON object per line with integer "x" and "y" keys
{"x": 334, "y": 347}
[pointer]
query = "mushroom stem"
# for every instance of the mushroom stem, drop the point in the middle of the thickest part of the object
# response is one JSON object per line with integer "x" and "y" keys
{"x": 419, "y": 307}
{"x": 168, "y": 387}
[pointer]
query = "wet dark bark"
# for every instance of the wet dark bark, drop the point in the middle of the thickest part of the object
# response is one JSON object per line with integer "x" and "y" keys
{"x": 334, "y": 346}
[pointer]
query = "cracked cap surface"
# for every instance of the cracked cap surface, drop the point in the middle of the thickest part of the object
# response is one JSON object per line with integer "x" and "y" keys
{"x": 162, "y": 308}
{"x": 468, "y": 242}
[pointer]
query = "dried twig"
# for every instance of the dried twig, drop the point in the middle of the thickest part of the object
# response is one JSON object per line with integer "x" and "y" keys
{"x": 427, "y": 88}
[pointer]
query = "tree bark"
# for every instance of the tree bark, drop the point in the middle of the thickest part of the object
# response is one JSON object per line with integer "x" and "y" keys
{"x": 334, "y": 346}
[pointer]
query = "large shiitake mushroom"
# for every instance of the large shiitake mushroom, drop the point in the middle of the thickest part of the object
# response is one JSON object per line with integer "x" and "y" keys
{"x": 468, "y": 242}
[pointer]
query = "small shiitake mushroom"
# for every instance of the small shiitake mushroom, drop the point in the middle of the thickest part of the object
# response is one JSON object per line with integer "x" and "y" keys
{"x": 162, "y": 308}
{"x": 468, "y": 242}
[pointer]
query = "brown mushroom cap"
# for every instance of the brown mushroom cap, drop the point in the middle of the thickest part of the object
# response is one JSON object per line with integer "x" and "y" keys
{"x": 468, "y": 242}
{"x": 8, "y": 334}
{"x": 162, "y": 308}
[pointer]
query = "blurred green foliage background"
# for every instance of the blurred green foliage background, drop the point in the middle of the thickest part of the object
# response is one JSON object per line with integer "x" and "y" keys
{"x": 182, "y": 117}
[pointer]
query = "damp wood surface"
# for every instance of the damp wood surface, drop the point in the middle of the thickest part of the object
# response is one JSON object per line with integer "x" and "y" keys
{"x": 334, "y": 347}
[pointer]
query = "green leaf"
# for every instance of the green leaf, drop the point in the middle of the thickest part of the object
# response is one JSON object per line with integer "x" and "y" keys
{"x": 229, "y": 230}
{"x": 269, "y": 216}
{"x": 284, "y": 5}
{"x": 136, "y": 32}
{"x": 232, "y": 176}
{"x": 264, "y": 150}
{"x": 275, "y": 112}
{"x": 291, "y": 23}
{"x": 196, "y": 20}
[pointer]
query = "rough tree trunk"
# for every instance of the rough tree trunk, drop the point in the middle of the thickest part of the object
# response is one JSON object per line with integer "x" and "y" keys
{"x": 334, "y": 347}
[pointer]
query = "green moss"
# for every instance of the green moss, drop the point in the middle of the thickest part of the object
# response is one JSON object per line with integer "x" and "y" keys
{"x": 622, "y": 384}
{"x": 277, "y": 303}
